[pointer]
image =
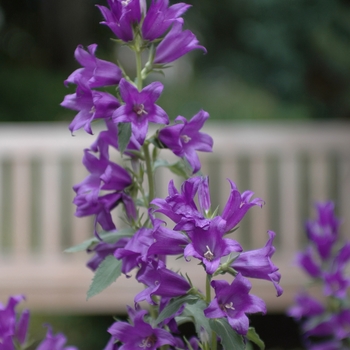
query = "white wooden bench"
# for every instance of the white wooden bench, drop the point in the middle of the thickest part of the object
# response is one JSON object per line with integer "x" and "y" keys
{"x": 290, "y": 166}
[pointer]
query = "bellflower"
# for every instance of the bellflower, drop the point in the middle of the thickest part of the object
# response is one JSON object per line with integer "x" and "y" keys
{"x": 233, "y": 301}
{"x": 238, "y": 205}
{"x": 208, "y": 245}
{"x": 307, "y": 262}
{"x": 184, "y": 138}
{"x": 91, "y": 105}
{"x": 257, "y": 264}
{"x": 135, "y": 250}
{"x": 141, "y": 335}
{"x": 12, "y": 329}
{"x": 159, "y": 18}
{"x": 306, "y": 306}
{"x": 160, "y": 281}
{"x": 180, "y": 207}
{"x": 140, "y": 108}
{"x": 176, "y": 44}
{"x": 323, "y": 231}
{"x": 120, "y": 17}
{"x": 54, "y": 342}
{"x": 95, "y": 72}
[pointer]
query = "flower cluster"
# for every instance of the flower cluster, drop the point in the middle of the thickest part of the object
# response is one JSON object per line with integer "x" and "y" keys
{"x": 198, "y": 230}
{"x": 325, "y": 323}
{"x": 14, "y": 330}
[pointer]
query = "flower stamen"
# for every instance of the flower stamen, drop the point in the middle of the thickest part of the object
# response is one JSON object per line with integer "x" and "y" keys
{"x": 139, "y": 109}
{"x": 185, "y": 138}
{"x": 208, "y": 254}
{"x": 148, "y": 342}
{"x": 229, "y": 306}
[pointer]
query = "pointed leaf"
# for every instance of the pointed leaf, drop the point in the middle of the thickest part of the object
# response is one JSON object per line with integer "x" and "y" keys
{"x": 196, "y": 311}
{"x": 107, "y": 273}
{"x": 175, "y": 305}
{"x": 254, "y": 337}
{"x": 230, "y": 339}
{"x": 180, "y": 168}
{"x": 124, "y": 135}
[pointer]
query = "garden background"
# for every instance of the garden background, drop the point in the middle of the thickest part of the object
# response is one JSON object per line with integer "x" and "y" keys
{"x": 267, "y": 61}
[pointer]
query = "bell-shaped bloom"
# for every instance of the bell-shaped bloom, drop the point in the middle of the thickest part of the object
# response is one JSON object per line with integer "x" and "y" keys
{"x": 102, "y": 250}
{"x": 184, "y": 138}
{"x": 104, "y": 175}
{"x": 111, "y": 345}
{"x": 120, "y": 17}
{"x": 13, "y": 329}
{"x": 238, "y": 205}
{"x": 95, "y": 72}
{"x": 54, "y": 342}
{"x": 140, "y": 108}
{"x": 257, "y": 264}
{"x": 160, "y": 17}
{"x": 160, "y": 281}
{"x": 324, "y": 231}
{"x": 208, "y": 245}
{"x": 180, "y": 206}
{"x": 305, "y": 306}
{"x": 233, "y": 301}
{"x": 135, "y": 250}
{"x": 306, "y": 260}
{"x": 91, "y": 105}
{"x": 176, "y": 44}
{"x": 140, "y": 335}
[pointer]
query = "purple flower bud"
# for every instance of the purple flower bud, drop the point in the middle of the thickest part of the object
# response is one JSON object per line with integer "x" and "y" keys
{"x": 121, "y": 16}
{"x": 96, "y": 72}
{"x": 176, "y": 44}
{"x": 160, "y": 17}
{"x": 184, "y": 138}
{"x": 306, "y": 306}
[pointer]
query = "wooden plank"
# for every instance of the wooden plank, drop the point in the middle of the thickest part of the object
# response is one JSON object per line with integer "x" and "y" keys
{"x": 21, "y": 207}
{"x": 344, "y": 194}
{"x": 289, "y": 199}
{"x": 319, "y": 177}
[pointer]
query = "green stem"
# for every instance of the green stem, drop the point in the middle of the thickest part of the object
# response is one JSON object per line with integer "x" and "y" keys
{"x": 149, "y": 171}
{"x": 138, "y": 68}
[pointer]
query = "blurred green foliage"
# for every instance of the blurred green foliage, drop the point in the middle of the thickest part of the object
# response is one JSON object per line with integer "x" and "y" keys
{"x": 267, "y": 59}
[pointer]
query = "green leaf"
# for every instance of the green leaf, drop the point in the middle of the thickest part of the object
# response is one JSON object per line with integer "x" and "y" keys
{"x": 230, "y": 339}
{"x": 109, "y": 237}
{"x": 196, "y": 312}
{"x": 124, "y": 135}
{"x": 180, "y": 168}
{"x": 107, "y": 273}
{"x": 254, "y": 337}
{"x": 175, "y": 305}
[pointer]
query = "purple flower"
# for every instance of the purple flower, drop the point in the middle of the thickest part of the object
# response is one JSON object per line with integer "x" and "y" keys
{"x": 208, "y": 245}
{"x": 12, "y": 329}
{"x": 238, "y": 205}
{"x": 135, "y": 250}
{"x": 102, "y": 250}
{"x": 121, "y": 16}
{"x": 234, "y": 302}
{"x": 176, "y": 44}
{"x": 111, "y": 345}
{"x": 306, "y": 261}
{"x": 160, "y": 281}
{"x": 184, "y": 138}
{"x": 141, "y": 335}
{"x": 257, "y": 264}
{"x": 159, "y": 17}
{"x": 323, "y": 231}
{"x": 91, "y": 105}
{"x": 95, "y": 72}
{"x": 140, "y": 108}
{"x": 54, "y": 342}
{"x": 306, "y": 306}
{"x": 105, "y": 175}
{"x": 181, "y": 207}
